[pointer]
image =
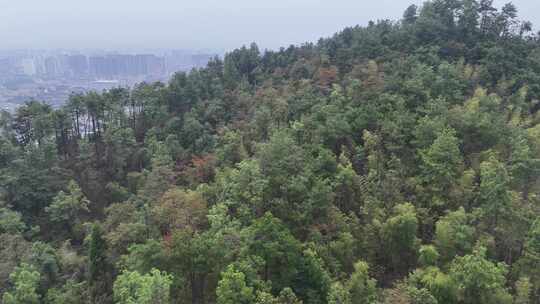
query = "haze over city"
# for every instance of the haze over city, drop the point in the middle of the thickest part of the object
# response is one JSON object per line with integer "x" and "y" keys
{"x": 52, "y": 49}
{"x": 223, "y": 25}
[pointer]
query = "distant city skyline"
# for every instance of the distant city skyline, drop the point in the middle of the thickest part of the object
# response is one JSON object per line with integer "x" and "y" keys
{"x": 201, "y": 24}
{"x": 51, "y": 76}
{"x": 101, "y": 62}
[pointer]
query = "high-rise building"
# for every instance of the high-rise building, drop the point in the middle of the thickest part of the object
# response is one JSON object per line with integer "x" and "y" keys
{"x": 155, "y": 66}
{"x": 78, "y": 65}
{"x": 98, "y": 67}
{"x": 200, "y": 60}
{"x": 28, "y": 66}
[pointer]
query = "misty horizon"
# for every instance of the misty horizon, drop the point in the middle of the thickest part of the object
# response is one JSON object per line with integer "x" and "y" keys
{"x": 201, "y": 25}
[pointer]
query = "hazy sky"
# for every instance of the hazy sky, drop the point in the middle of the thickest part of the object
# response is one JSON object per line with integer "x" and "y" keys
{"x": 216, "y": 24}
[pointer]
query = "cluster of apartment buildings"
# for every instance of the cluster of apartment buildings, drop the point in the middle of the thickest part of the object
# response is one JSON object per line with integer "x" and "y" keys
{"x": 53, "y": 76}
{"x": 102, "y": 66}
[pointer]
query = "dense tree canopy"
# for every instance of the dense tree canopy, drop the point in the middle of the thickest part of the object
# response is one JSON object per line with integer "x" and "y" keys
{"x": 397, "y": 162}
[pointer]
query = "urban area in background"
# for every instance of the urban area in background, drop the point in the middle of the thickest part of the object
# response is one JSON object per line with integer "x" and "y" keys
{"x": 51, "y": 76}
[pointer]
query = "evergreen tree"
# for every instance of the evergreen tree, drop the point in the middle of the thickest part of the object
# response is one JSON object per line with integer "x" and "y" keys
{"x": 25, "y": 282}
{"x": 98, "y": 267}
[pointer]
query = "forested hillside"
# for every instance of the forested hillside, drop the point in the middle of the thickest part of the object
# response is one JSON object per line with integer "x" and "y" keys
{"x": 393, "y": 163}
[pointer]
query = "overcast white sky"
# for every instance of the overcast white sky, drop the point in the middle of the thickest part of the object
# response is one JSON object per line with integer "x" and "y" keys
{"x": 196, "y": 24}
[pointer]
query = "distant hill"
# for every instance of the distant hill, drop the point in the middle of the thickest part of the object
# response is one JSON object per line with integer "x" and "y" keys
{"x": 393, "y": 163}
